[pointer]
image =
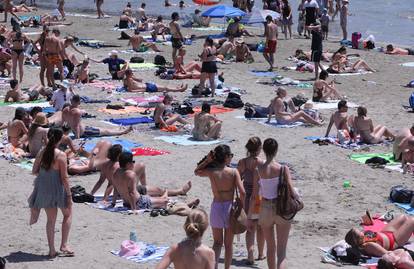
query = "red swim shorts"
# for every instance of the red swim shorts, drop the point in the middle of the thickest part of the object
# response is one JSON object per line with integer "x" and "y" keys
{"x": 270, "y": 46}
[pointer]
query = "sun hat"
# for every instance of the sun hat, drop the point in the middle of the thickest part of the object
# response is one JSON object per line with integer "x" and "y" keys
{"x": 128, "y": 248}
{"x": 113, "y": 53}
{"x": 40, "y": 119}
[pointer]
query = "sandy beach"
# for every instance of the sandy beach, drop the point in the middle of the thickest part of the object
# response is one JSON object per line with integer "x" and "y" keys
{"x": 330, "y": 209}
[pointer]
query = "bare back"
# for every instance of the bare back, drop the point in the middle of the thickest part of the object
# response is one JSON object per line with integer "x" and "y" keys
{"x": 271, "y": 31}
{"x": 184, "y": 256}
{"x": 223, "y": 183}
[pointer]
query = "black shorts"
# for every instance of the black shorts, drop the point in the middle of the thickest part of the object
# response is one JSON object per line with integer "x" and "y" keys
{"x": 325, "y": 28}
{"x": 316, "y": 56}
{"x": 176, "y": 43}
{"x": 209, "y": 67}
{"x": 410, "y": 51}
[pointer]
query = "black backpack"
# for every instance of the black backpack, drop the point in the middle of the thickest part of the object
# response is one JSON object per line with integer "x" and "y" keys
{"x": 79, "y": 195}
{"x": 183, "y": 109}
{"x": 233, "y": 100}
{"x": 159, "y": 60}
{"x": 353, "y": 256}
{"x": 136, "y": 60}
{"x": 401, "y": 194}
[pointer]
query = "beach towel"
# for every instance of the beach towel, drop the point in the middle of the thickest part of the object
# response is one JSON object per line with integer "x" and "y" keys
{"x": 143, "y": 101}
{"x": 148, "y": 253}
{"x": 361, "y": 72}
{"x": 131, "y": 121}
{"x": 89, "y": 100}
{"x": 261, "y": 73}
{"x": 214, "y": 110}
{"x": 332, "y": 104}
{"x": 148, "y": 152}
{"x": 210, "y": 28}
{"x": 263, "y": 121}
{"x": 32, "y": 33}
{"x": 27, "y": 17}
{"x": 125, "y": 110}
{"x": 127, "y": 145}
{"x": 141, "y": 66}
{"x": 406, "y": 207}
{"x": 362, "y": 157}
{"x": 48, "y": 110}
{"x": 409, "y": 64}
{"x": 91, "y": 43}
{"x": 346, "y": 145}
{"x": 186, "y": 140}
{"x": 107, "y": 85}
{"x": 130, "y": 51}
{"x": 26, "y": 164}
{"x": 40, "y": 103}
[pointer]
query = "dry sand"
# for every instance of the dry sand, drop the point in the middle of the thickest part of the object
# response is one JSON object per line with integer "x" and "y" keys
{"x": 330, "y": 210}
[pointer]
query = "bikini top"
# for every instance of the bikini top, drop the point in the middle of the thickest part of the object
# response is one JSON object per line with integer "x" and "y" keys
{"x": 268, "y": 187}
{"x": 384, "y": 239}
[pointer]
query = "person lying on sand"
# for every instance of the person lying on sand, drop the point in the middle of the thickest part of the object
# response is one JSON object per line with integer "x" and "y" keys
{"x": 163, "y": 115}
{"x": 72, "y": 116}
{"x": 140, "y": 45}
{"x": 45, "y": 19}
{"x": 340, "y": 119}
{"x": 307, "y": 55}
{"x": 364, "y": 126}
{"x": 111, "y": 164}
{"x": 279, "y": 107}
{"x": 206, "y": 126}
{"x": 15, "y": 94}
{"x": 323, "y": 91}
{"x": 398, "y": 51}
{"x": 400, "y": 258}
{"x": 400, "y": 142}
{"x": 125, "y": 182}
{"x": 341, "y": 64}
{"x": 133, "y": 84}
{"x": 191, "y": 70}
{"x": 395, "y": 233}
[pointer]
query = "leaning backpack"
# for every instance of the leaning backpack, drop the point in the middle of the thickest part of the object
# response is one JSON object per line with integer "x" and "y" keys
{"x": 137, "y": 60}
{"x": 401, "y": 194}
{"x": 159, "y": 60}
{"x": 411, "y": 100}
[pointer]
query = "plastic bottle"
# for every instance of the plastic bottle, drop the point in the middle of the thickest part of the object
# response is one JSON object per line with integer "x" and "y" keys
{"x": 133, "y": 236}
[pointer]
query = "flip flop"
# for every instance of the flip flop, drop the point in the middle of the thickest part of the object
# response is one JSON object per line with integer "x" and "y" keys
{"x": 249, "y": 263}
{"x": 66, "y": 253}
{"x": 261, "y": 258}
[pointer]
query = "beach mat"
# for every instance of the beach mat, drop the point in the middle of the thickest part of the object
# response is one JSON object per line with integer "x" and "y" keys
{"x": 127, "y": 145}
{"x": 125, "y": 110}
{"x": 89, "y": 16}
{"x": 333, "y": 104}
{"x": 409, "y": 64}
{"x": 406, "y": 207}
{"x": 143, "y": 101}
{"x": 186, "y": 140}
{"x": 107, "y": 85}
{"x": 26, "y": 164}
{"x": 362, "y": 157}
{"x": 346, "y": 145}
{"x": 148, "y": 253}
{"x": 131, "y": 121}
{"x": 261, "y": 73}
{"x": 40, "y": 103}
{"x": 263, "y": 121}
{"x": 148, "y": 152}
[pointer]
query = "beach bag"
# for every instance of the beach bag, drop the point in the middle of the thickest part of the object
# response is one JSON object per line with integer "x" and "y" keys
{"x": 183, "y": 109}
{"x": 159, "y": 60}
{"x": 238, "y": 217}
{"x": 400, "y": 194}
{"x": 136, "y": 60}
{"x": 233, "y": 100}
{"x": 411, "y": 100}
{"x": 353, "y": 256}
{"x": 355, "y": 38}
{"x": 288, "y": 201}
{"x": 79, "y": 195}
{"x": 299, "y": 100}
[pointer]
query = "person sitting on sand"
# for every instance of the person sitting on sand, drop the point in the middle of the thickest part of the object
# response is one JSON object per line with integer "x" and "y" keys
{"x": 227, "y": 48}
{"x": 114, "y": 65}
{"x": 110, "y": 165}
{"x": 82, "y": 72}
{"x": 37, "y": 134}
{"x": 190, "y": 252}
{"x": 279, "y": 107}
{"x": 159, "y": 28}
{"x": 191, "y": 70}
{"x": 235, "y": 29}
{"x": 163, "y": 116}
{"x": 400, "y": 258}
{"x": 400, "y": 142}
{"x": 15, "y": 94}
{"x": 133, "y": 84}
{"x": 398, "y": 51}
{"x": 242, "y": 52}
{"x": 128, "y": 9}
{"x": 365, "y": 128}
{"x": 139, "y": 44}
{"x": 341, "y": 64}
{"x": 16, "y": 128}
{"x": 61, "y": 96}
{"x": 198, "y": 20}
{"x": 206, "y": 126}
{"x": 125, "y": 20}
{"x": 5, "y": 61}
{"x": 395, "y": 233}
{"x": 322, "y": 90}
{"x": 339, "y": 118}
{"x": 125, "y": 181}
{"x": 407, "y": 159}
{"x": 72, "y": 116}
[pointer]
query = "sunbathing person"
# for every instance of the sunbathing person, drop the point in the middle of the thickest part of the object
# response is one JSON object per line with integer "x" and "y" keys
{"x": 125, "y": 182}
{"x": 72, "y": 114}
{"x": 227, "y": 48}
{"x": 340, "y": 119}
{"x": 206, "y": 126}
{"x": 401, "y": 258}
{"x": 236, "y": 29}
{"x": 111, "y": 164}
{"x": 341, "y": 64}
{"x": 125, "y": 20}
{"x": 140, "y": 45}
{"x": 190, "y": 252}
{"x": 37, "y": 134}
{"x": 23, "y": 8}
{"x": 159, "y": 28}
{"x": 46, "y": 19}
{"x": 198, "y": 20}
{"x": 133, "y": 84}
{"x": 365, "y": 128}
{"x": 395, "y": 233}
{"x": 242, "y": 52}
{"x": 190, "y": 70}
{"x": 15, "y": 94}
{"x": 163, "y": 116}
{"x": 407, "y": 159}
{"x": 398, "y": 51}
{"x": 323, "y": 91}
{"x": 16, "y": 128}
{"x": 279, "y": 107}
{"x": 400, "y": 142}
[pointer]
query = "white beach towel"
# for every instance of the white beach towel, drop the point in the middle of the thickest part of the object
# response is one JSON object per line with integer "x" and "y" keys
{"x": 332, "y": 104}
{"x": 30, "y": 105}
{"x": 263, "y": 121}
{"x": 410, "y": 64}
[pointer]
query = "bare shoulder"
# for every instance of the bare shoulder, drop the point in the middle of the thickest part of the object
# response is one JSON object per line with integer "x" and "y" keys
{"x": 130, "y": 173}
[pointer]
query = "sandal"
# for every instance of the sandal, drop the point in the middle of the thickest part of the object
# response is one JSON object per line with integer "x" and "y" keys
{"x": 261, "y": 258}
{"x": 154, "y": 213}
{"x": 164, "y": 212}
{"x": 66, "y": 253}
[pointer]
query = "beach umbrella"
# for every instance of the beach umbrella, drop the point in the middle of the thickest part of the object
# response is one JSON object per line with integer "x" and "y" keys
{"x": 207, "y": 2}
{"x": 223, "y": 11}
{"x": 259, "y": 16}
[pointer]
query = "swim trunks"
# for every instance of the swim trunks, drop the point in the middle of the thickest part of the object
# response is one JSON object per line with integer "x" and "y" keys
{"x": 410, "y": 51}
{"x": 142, "y": 48}
{"x": 176, "y": 43}
{"x": 53, "y": 59}
{"x": 220, "y": 214}
{"x": 151, "y": 87}
{"x": 316, "y": 56}
{"x": 325, "y": 28}
{"x": 209, "y": 67}
{"x": 270, "y": 46}
{"x": 91, "y": 132}
{"x": 143, "y": 202}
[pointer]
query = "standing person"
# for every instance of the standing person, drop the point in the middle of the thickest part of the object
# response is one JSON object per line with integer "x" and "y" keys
{"x": 337, "y": 8}
{"x": 17, "y": 40}
{"x": 54, "y": 54}
{"x": 247, "y": 168}
{"x": 343, "y": 18}
{"x": 325, "y": 18}
{"x": 311, "y": 13}
{"x": 61, "y": 8}
{"x": 287, "y": 18}
{"x": 317, "y": 48}
{"x": 271, "y": 41}
{"x": 176, "y": 36}
{"x": 265, "y": 183}
{"x": 99, "y": 4}
{"x": 42, "y": 58}
{"x": 301, "y": 17}
{"x": 191, "y": 252}
{"x": 52, "y": 191}
{"x": 224, "y": 182}
{"x": 8, "y": 8}
{"x": 208, "y": 66}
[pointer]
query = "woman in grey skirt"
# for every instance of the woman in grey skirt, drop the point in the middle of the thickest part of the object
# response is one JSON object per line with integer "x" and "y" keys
{"x": 52, "y": 191}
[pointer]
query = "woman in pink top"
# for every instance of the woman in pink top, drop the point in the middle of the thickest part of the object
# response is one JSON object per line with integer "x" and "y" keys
{"x": 265, "y": 184}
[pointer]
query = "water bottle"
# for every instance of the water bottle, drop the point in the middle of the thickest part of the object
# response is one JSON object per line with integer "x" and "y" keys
{"x": 133, "y": 236}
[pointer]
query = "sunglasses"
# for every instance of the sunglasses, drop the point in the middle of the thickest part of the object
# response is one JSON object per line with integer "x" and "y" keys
{"x": 231, "y": 155}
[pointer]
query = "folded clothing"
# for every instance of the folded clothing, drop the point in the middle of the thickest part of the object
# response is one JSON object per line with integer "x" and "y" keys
{"x": 145, "y": 151}
{"x": 131, "y": 121}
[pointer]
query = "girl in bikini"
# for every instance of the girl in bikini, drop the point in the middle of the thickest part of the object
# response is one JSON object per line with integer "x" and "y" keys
{"x": 17, "y": 48}
{"x": 394, "y": 234}
{"x": 322, "y": 91}
{"x": 365, "y": 128}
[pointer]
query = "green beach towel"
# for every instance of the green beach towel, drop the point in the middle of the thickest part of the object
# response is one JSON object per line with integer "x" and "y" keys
{"x": 362, "y": 157}
{"x": 2, "y": 103}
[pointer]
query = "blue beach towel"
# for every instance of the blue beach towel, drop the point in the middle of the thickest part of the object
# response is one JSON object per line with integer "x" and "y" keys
{"x": 260, "y": 73}
{"x": 131, "y": 121}
{"x": 27, "y": 17}
{"x": 127, "y": 145}
{"x": 407, "y": 208}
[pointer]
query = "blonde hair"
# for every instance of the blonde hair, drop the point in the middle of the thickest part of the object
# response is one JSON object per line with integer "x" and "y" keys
{"x": 196, "y": 224}
{"x": 280, "y": 90}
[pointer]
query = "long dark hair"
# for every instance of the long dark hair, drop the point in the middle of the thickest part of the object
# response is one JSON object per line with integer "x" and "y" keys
{"x": 19, "y": 114}
{"x": 54, "y": 135}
